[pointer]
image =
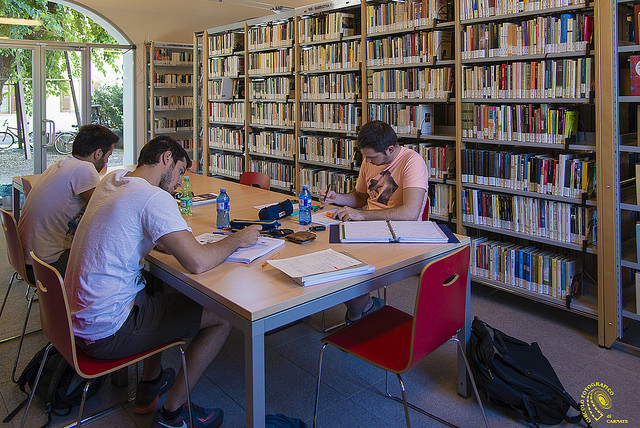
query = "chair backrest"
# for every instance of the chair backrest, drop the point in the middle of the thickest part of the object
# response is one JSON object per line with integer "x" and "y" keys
{"x": 258, "y": 179}
{"x": 15, "y": 251}
{"x": 55, "y": 316}
{"x": 425, "y": 213}
{"x": 440, "y": 303}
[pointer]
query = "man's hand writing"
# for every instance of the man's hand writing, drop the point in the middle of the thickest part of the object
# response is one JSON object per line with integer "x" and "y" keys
{"x": 248, "y": 236}
{"x": 327, "y": 197}
{"x": 348, "y": 213}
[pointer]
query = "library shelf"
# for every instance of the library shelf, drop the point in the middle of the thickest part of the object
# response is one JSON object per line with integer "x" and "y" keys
{"x": 517, "y": 143}
{"x": 585, "y": 305}
{"x": 274, "y": 74}
{"x": 404, "y": 64}
{"x": 629, "y": 99}
{"x": 375, "y": 33}
{"x": 353, "y": 133}
{"x": 219, "y": 123}
{"x": 531, "y": 238}
{"x": 442, "y": 218}
{"x": 629, "y": 49}
{"x": 230, "y": 100}
{"x": 269, "y": 155}
{"x": 330, "y": 70}
{"x": 329, "y": 165}
{"x": 164, "y": 131}
{"x": 409, "y": 100}
{"x": 226, "y": 149}
{"x": 268, "y": 100}
{"x": 271, "y": 126}
{"x": 225, "y": 175}
{"x": 530, "y": 57}
{"x": 335, "y": 40}
{"x": 500, "y": 189}
{"x": 331, "y": 100}
{"x": 515, "y": 100}
{"x": 526, "y": 14}
{"x": 226, "y": 54}
{"x": 229, "y": 76}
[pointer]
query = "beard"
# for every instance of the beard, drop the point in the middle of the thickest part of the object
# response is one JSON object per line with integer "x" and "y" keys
{"x": 165, "y": 180}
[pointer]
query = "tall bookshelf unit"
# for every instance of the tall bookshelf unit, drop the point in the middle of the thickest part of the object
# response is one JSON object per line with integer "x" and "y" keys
{"x": 169, "y": 98}
{"x": 525, "y": 153}
{"x": 199, "y": 101}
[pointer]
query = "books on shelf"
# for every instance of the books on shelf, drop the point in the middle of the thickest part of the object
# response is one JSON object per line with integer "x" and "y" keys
{"x": 263, "y": 246}
{"x": 321, "y": 266}
{"x": 392, "y": 231}
{"x": 638, "y": 293}
{"x": 634, "y": 62}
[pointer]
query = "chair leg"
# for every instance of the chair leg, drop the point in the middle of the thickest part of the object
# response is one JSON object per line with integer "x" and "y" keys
{"x": 84, "y": 397}
{"x": 473, "y": 381}
{"x": 35, "y": 384}
{"x": 4, "y": 302}
{"x": 404, "y": 400}
{"x": 24, "y": 329}
{"x": 315, "y": 408}
{"x": 186, "y": 383}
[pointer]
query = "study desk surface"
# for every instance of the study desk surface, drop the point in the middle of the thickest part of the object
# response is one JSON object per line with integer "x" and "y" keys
{"x": 254, "y": 292}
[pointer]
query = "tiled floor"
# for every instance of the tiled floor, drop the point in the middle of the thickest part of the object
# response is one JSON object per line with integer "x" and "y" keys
{"x": 351, "y": 393}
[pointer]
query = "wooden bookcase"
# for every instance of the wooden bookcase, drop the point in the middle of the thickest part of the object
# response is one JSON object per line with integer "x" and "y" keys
{"x": 478, "y": 127}
{"x": 170, "y": 97}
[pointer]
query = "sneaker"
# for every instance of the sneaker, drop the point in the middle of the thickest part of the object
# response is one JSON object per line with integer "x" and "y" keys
{"x": 148, "y": 394}
{"x": 377, "y": 304}
{"x": 202, "y": 418}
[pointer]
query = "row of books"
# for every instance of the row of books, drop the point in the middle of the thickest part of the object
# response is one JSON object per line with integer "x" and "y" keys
{"x": 411, "y": 83}
{"x": 226, "y": 89}
{"x": 332, "y": 56}
{"x": 440, "y": 160}
{"x": 442, "y": 199}
{"x": 534, "y": 123}
{"x": 542, "y": 218}
{"x": 403, "y": 118}
{"x": 280, "y": 173}
{"x": 565, "y": 175}
{"x": 564, "y": 78}
{"x": 166, "y": 56}
{"x": 272, "y": 88}
{"x": 280, "y": 61}
{"x": 473, "y": 9}
{"x": 165, "y": 124}
{"x": 538, "y": 271}
{"x": 226, "y": 138}
{"x": 226, "y": 43}
{"x": 272, "y": 143}
{"x": 226, "y": 164}
{"x": 326, "y": 26}
{"x": 272, "y": 35}
{"x": 331, "y": 86}
{"x": 540, "y": 35}
{"x": 342, "y": 117}
{"x": 231, "y": 66}
{"x": 227, "y": 112}
{"x": 281, "y": 114}
{"x": 172, "y": 80}
{"x": 187, "y": 143}
{"x": 383, "y": 17}
{"x": 171, "y": 102}
{"x": 331, "y": 150}
{"x": 321, "y": 179}
{"x": 421, "y": 47}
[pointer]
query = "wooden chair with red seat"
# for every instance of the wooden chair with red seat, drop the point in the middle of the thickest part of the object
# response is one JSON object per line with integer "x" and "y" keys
{"x": 55, "y": 318}
{"x": 396, "y": 341}
{"x": 255, "y": 179}
{"x": 15, "y": 254}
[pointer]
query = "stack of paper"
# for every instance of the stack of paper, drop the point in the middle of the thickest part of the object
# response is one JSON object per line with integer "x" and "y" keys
{"x": 247, "y": 254}
{"x": 321, "y": 266}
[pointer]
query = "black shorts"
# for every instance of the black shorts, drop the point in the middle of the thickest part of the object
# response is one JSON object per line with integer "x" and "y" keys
{"x": 153, "y": 321}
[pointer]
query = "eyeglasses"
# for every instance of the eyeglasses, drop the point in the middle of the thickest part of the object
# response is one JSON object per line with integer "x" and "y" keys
{"x": 277, "y": 233}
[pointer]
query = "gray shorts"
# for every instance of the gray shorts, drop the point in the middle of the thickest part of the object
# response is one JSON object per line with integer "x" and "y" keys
{"x": 153, "y": 321}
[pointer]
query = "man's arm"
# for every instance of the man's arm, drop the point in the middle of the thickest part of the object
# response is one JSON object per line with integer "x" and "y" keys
{"x": 411, "y": 209}
{"x": 198, "y": 258}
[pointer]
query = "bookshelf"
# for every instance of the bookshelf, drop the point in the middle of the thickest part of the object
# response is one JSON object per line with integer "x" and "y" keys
{"x": 199, "y": 102}
{"x": 169, "y": 102}
{"x": 520, "y": 129}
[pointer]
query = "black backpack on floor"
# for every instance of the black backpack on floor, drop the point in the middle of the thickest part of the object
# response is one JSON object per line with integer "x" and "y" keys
{"x": 60, "y": 388}
{"x": 516, "y": 374}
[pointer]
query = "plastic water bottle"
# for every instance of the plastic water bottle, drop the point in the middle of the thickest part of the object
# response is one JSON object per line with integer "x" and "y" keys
{"x": 186, "y": 197}
{"x": 304, "y": 206}
{"x": 222, "y": 222}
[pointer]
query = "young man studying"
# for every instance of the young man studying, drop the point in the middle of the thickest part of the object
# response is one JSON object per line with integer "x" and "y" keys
{"x": 114, "y": 315}
{"x": 60, "y": 193}
{"x": 392, "y": 185}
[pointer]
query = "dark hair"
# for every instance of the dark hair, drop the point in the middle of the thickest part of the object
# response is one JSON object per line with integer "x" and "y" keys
{"x": 92, "y": 137}
{"x": 151, "y": 152}
{"x": 377, "y": 135}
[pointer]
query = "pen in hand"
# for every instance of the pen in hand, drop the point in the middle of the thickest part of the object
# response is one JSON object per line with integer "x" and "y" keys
{"x": 324, "y": 200}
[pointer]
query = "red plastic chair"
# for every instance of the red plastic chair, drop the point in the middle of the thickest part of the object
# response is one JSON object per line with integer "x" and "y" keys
{"x": 256, "y": 179}
{"x": 15, "y": 255}
{"x": 425, "y": 212}
{"x": 396, "y": 341}
{"x": 56, "y": 325}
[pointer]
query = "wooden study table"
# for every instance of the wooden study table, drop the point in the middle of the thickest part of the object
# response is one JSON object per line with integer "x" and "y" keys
{"x": 257, "y": 300}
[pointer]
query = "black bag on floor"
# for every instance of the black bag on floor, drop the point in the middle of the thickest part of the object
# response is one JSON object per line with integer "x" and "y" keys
{"x": 60, "y": 388}
{"x": 516, "y": 374}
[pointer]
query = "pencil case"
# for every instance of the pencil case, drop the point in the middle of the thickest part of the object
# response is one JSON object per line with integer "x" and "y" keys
{"x": 237, "y": 224}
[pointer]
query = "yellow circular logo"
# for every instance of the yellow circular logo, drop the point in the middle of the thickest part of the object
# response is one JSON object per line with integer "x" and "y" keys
{"x": 595, "y": 403}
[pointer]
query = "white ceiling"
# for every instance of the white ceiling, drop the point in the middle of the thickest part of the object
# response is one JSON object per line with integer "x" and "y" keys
{"x": 175, "y": 21}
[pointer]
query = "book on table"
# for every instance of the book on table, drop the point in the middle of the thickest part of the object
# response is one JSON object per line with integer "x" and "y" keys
{"x": 263, "y": 246}
{"x": 204, "y": 198}
{"x": 392, "y": 231}
{"x": 321, "y": 266}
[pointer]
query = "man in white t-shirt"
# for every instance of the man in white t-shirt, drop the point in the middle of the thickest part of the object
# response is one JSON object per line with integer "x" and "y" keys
{"x": 113, "y": 311}
{"x": 60, "y": 193}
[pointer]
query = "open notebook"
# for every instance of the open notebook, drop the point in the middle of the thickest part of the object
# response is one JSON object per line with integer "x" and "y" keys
{"x": 392, "y": 231}
{"x": 321, "y": 266}
{"x": 246, "y": 254}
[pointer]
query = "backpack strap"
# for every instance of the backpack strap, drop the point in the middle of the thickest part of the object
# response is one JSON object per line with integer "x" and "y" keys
{"x": 15, "y": 411}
